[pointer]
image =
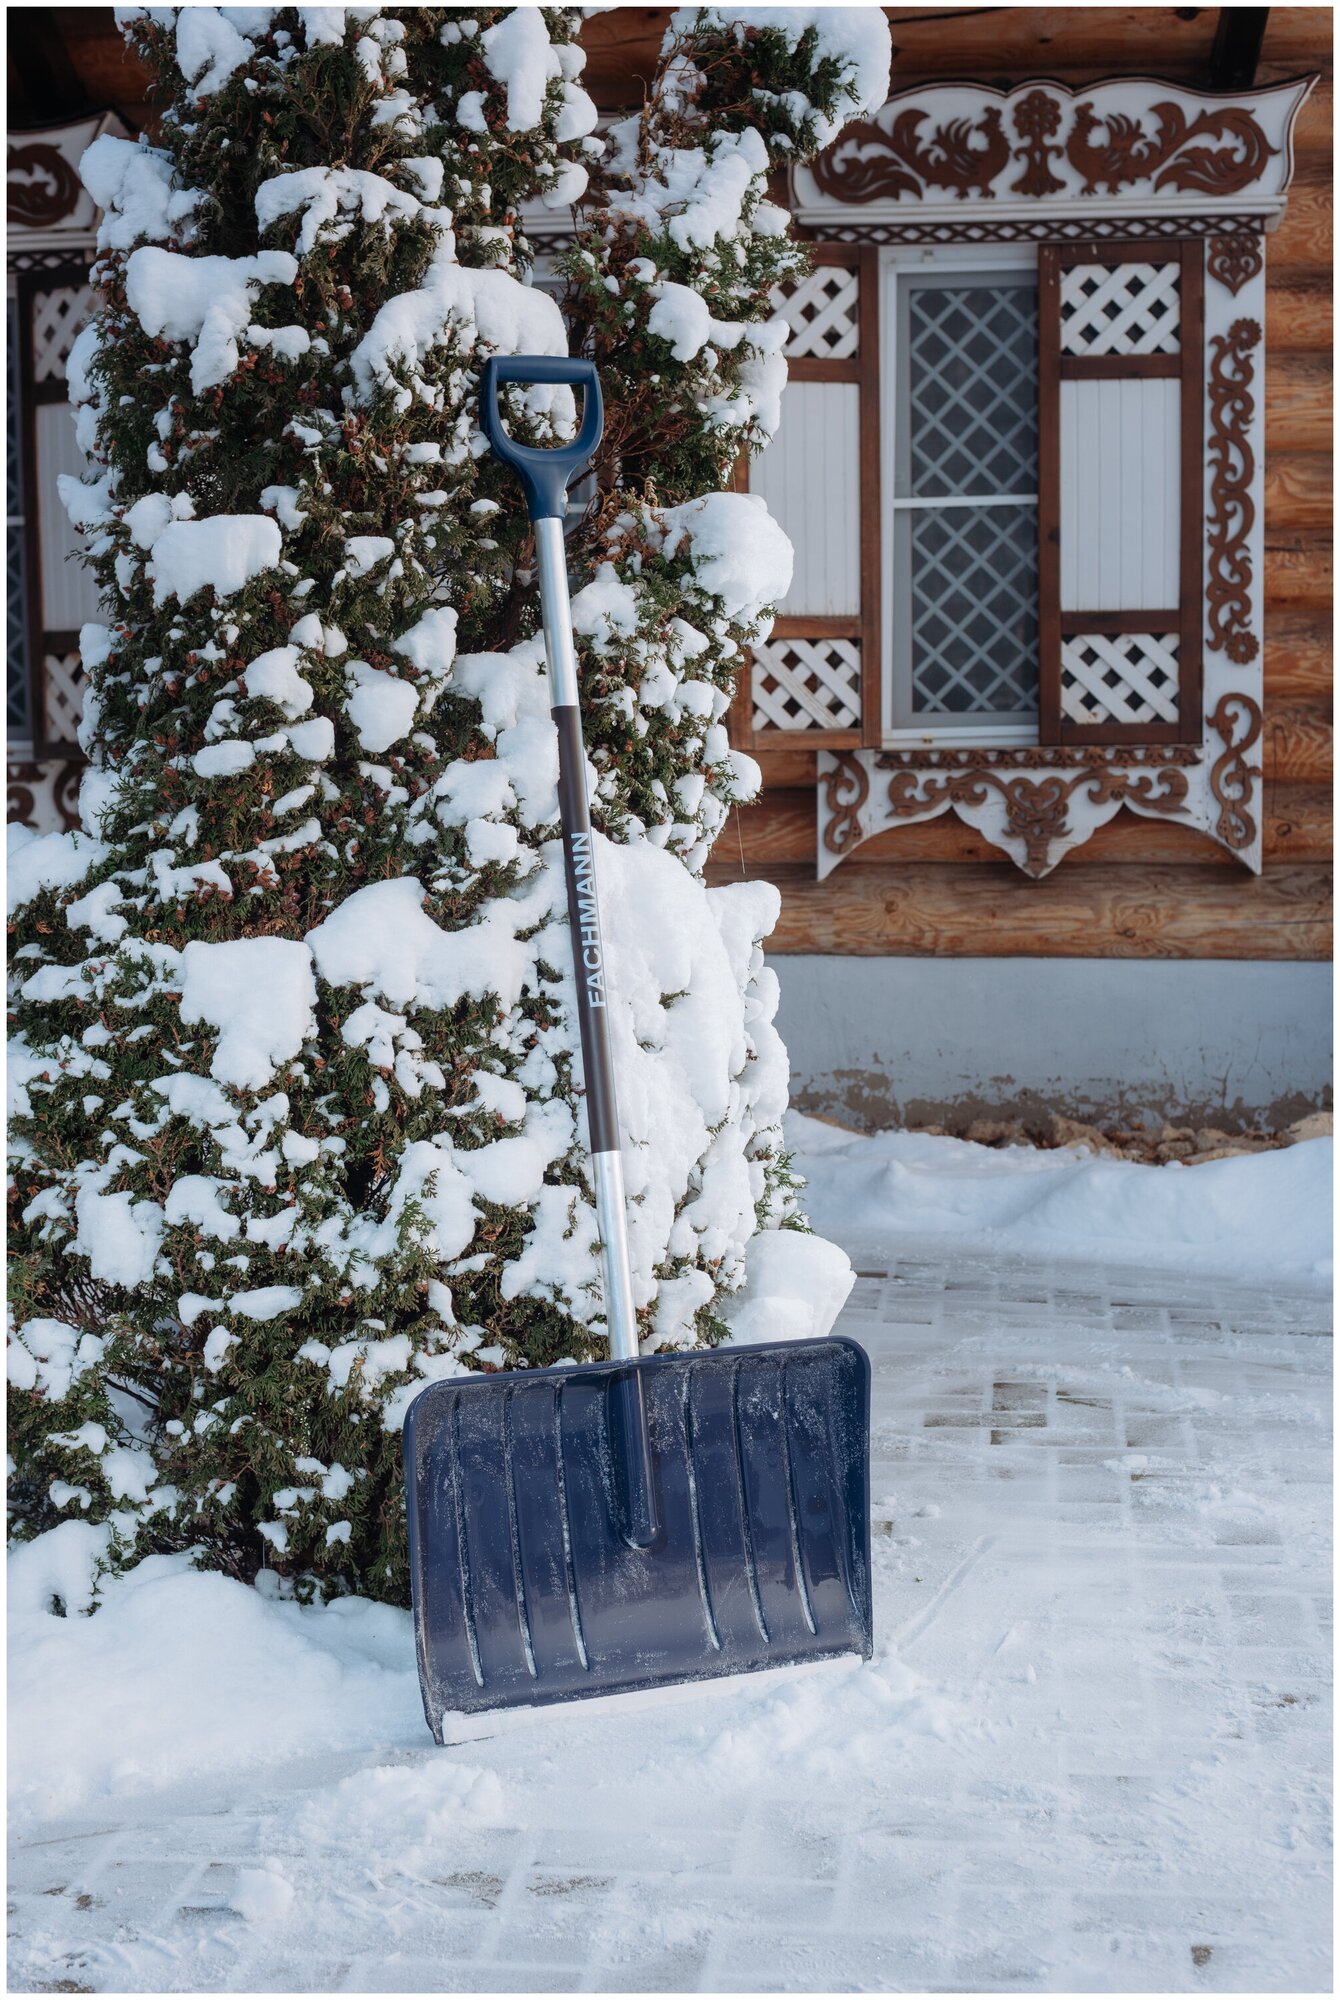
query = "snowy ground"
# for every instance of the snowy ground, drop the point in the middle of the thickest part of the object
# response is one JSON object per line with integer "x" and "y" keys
{"x": 1091, "y": 1753}
{"x": 1265, "y": 1218}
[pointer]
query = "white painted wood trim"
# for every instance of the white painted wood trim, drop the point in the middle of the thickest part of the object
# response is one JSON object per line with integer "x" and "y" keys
{"x": 1274, "y": 110}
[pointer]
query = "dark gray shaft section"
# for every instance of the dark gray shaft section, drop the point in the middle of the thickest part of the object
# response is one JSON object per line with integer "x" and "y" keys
{"x": 588, "y": 948}
{"x": 526, "y": 1587}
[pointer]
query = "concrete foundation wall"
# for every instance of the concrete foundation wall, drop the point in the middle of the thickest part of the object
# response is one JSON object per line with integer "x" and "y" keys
{"x": 914, "y": 1041}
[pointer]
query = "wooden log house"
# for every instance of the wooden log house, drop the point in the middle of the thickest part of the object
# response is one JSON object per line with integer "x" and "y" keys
{"x": 1053, "y": 681}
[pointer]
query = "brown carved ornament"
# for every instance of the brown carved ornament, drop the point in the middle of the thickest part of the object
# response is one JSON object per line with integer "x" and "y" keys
{"x": 24, "y": 782}
{"x": 1232, "y": 510}
{"x": 870, "y": 164}
{"x": 42, "y": 188}
{"x": 1235, "y": 260}
{"x": 1217, "y": 152}
{"x": 1237, "y": 723}
{"x": 846, "y": 789}
{"x": 1037, "y": 120}
{"x": 1036, "y": 809}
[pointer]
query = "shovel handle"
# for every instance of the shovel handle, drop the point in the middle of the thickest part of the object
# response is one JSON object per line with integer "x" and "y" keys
{"x": 545, "y": 472}
{"x": 545, "y": 476}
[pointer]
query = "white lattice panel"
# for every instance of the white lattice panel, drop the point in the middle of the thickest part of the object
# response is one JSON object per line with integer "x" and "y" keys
{"x": 1120, "y": 309}
{"x": 57, "y": 318}
{"x": 807, "y": 684}
{"x": 63, "y": 695}
{"x": 822, "y": 312}
{"x": 1129, "y": 677}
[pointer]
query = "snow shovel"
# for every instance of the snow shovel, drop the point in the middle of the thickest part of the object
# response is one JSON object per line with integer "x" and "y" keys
{"x": 637, "y": 1521}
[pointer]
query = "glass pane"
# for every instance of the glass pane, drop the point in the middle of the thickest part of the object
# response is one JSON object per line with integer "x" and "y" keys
{"x": 971, "y": 387}
{"x": 972, "y": 610}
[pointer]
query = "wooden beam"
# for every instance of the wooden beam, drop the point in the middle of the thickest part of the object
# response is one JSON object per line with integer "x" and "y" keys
{"x": 1297, "y": 38}
{"x": 1299, "y": 402}
{"x": 1297, "y": 748}
{"x": 44, "y": 87}
{"x": 1001, "y": 45}
{"x": 1237, "y": 47}
{"x": 111, "y": 74}
{"x": 1299, "y": 663}
{"x": 1300, "y": 311}
{"x": 991, "y": 910}
{"x": 1297, "y": 570}
{"x": 622, "y": 46}
{"x": 1299, "y": 490}
{"x": 1306, "y": 230}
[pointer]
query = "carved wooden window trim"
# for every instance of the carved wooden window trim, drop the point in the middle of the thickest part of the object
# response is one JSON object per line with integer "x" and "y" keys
{"x": 1184, "y": 176}
{"x": 864, "y": 628}
{"x": 1101, "y": 629}
{"x": 53, "y": 667}
{"x": 52, "y": 226}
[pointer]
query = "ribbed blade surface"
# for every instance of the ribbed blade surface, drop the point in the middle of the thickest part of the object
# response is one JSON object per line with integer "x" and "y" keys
{"x": 525, "y": 1589}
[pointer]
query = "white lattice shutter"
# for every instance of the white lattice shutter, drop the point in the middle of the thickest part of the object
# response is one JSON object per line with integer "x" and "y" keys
{"x": 61, "y": 593}
{"x": 1120, "y": 472}
{"x": 816, "y": 677}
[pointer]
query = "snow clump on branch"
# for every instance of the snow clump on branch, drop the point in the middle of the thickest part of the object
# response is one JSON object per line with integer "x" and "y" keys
{"x": 297, "y": 1120}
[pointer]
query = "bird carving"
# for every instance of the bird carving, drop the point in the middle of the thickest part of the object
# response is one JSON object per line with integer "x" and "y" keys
{"x": 949, "y": 158}
{"x": 1128, "y": 154}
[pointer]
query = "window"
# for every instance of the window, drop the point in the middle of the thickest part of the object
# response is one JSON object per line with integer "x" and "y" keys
{"x": 988, "y": 464}
{"x": 961, "y": 533}
{"x": 16, "y": 610}
{"x": 1062, "y": 304}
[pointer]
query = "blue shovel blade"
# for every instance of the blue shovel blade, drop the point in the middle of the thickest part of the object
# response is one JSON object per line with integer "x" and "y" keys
{"x": 526, "y": 1586}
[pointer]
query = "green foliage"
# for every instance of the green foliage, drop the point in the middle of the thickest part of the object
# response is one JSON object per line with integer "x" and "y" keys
{"x": 230, "y": 807}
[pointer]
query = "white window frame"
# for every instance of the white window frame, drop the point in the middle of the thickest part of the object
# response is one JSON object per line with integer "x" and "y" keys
{"x": 986, "y": 260}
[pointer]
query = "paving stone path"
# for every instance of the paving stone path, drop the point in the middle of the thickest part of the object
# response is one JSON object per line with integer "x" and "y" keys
{"x": 1100, "y": 1538}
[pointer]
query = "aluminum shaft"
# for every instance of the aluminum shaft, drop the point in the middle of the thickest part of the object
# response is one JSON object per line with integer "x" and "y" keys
{"x": 587, "y": 942}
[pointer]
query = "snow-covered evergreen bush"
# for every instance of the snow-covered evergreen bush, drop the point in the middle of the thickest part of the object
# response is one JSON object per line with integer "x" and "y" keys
{"x": 297, "y": 1122}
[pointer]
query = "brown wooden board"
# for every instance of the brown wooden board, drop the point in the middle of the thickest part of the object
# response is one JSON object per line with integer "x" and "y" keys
{"x": 1297, "y": 744}
{"x": 1300, "y": 317}
{"x": 1049, "y": 496}
{"x": 872, "y": 545}
{"x": 1054, "y": 368}
{"x": 1297, "y": 569}
{"x": 1298, "y": 657}
{"x": 1080, "y": 910}
{"x": 1298, "y": 401}
{"x": 1299, "y": 489}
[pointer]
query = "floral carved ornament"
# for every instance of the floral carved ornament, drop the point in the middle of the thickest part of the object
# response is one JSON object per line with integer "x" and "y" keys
{"x": 1043, "y": 142}
{"x": 1126, "y": 159}
{"x": 1036, "y": 788}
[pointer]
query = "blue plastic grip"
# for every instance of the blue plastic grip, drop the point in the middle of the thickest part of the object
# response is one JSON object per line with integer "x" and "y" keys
{"x": 545, "y": 473}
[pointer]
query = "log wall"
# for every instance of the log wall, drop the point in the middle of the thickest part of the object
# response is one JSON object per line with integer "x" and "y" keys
{"x": 1137, "y": 888}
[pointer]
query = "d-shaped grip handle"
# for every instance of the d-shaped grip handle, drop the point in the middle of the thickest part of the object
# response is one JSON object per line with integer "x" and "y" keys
{"x": 545, "y": 474}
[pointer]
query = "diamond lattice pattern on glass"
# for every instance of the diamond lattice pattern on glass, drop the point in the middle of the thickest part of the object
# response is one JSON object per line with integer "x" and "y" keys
{"x": 973, "y": 403}
{"x": 966, "y": 471}
{"x": 974, "y": 611}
